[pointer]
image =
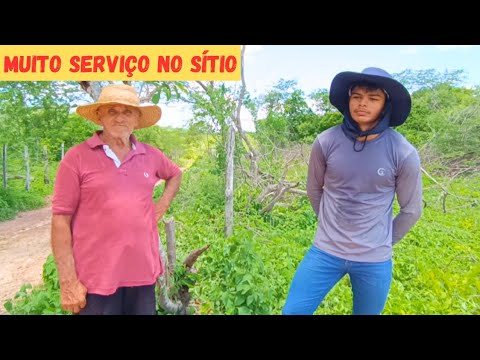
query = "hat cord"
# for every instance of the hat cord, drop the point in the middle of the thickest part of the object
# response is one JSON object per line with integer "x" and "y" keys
{"x": 363, "y": 145}
{"x": 353, "y": 131}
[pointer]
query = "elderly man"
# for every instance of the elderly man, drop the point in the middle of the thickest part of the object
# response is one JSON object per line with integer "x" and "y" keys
{"x": 354, "y": 173}
{"x": 104, "y": 222}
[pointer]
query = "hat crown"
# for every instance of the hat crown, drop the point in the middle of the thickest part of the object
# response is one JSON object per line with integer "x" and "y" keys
{"x": 377, "y": 72}
{"x": 119, "y": 93}
{"x": 125, "y": 95}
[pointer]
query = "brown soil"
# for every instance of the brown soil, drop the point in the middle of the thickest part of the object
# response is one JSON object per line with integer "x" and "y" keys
{"x": 24, "y": 247}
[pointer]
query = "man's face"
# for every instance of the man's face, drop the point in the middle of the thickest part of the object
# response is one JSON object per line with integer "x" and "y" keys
{"x": 366, "y": 105}
{"x": 118, "y": 120}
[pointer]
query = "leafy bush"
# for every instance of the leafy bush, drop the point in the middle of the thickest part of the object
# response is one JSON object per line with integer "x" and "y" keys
{"x": 42, "y": 300}
{"x": 12, "y": 201}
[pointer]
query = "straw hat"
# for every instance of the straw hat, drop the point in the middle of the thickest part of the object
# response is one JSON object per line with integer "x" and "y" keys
{"x": 125, "y": 95}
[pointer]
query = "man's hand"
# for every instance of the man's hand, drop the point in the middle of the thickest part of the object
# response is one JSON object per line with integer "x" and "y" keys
{"x": 73, "y": 296}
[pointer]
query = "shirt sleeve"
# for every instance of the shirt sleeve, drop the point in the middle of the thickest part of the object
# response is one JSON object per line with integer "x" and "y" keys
{"x": 166, "y": 168}
{"x": 409, "y": 196}
{"x": 315, "y": 177}
{"x": 66, "y": 192}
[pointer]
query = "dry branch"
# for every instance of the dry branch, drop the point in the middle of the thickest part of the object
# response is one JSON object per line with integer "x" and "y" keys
{"x": 446, "y": 192}
{"x": 192, "y": 258}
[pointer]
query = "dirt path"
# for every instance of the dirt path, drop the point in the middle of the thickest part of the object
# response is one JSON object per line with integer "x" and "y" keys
{"x": 24, "y": 247}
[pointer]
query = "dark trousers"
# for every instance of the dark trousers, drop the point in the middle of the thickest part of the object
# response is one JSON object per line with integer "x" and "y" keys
{"x": 135, "y": 300}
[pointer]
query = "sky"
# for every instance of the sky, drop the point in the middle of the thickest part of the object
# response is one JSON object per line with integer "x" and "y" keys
{"x": 314, "y": 66}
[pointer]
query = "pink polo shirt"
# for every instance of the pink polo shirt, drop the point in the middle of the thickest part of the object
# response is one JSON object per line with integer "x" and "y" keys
{"x": 114, "y": 232}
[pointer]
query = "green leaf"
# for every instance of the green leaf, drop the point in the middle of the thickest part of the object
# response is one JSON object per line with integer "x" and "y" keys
{"x": 8, "y": 306}
{"x": 168, "y": 92}
{"x": 244, "y": 311}
{"x": 181, "y": 87}
{"x": 156, "y": 98}
{"x": 239, "y": 300}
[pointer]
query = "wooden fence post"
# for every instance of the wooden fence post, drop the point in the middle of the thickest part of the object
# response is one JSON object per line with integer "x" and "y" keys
{"x": 45, "y": 158}
{"x": 27, "y": 166}
{"x": 5, "y": 166}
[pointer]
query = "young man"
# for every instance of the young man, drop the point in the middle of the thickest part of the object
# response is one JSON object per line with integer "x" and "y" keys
{"x": 104, "y": 223}
{"x": 355, "y": 170}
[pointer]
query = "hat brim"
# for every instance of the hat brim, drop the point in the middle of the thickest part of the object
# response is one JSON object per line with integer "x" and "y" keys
{"x": 398, "y": 94}
{"x": 149, "y": 114}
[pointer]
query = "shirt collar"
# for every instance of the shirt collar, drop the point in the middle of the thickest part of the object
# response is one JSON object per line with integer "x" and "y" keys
{"x": 95, "y": 141}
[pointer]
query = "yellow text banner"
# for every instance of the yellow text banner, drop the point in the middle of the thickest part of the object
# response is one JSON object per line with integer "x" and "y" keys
{"x": 120, "y": 62}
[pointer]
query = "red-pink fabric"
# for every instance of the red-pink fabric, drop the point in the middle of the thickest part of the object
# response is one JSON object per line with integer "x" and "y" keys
{"x": 114, "y": 232}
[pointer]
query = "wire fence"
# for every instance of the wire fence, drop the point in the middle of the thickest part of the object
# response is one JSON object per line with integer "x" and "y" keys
{"x": 28, "y": 163}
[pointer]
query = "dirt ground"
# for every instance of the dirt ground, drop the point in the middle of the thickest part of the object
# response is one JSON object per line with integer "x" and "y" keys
{"x": 24, "y": 247}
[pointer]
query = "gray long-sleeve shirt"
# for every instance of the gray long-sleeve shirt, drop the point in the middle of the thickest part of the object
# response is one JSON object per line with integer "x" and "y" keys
{"x": 352, "y": 193}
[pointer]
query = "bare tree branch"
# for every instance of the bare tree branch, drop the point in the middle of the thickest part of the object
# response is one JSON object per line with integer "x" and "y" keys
{"x": 204, "y": 87}
{"x": 280, "y": 192}
{"x": 446, "y": 192}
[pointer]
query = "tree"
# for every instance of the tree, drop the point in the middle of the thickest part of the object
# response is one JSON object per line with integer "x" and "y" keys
{"x": 286, "y": 110}
{"x": 321, "y": 102}
{"x": 415, "y": 80}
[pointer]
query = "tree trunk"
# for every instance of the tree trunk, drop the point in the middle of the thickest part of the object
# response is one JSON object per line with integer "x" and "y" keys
{"x": 229, "y": 182}
{"x": 253, "y": 153}
{"x": 171, "y": 252}
{"x": 172, "y": 307}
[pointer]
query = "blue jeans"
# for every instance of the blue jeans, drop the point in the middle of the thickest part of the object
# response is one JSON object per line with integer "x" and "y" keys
{"x": 318, "y": 273}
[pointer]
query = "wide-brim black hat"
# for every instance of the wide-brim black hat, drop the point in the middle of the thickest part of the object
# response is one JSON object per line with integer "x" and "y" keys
{"x": 397, "y": 93}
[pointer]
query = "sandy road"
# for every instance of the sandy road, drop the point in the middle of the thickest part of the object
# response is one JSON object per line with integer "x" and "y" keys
{"x": 24, "y": 247}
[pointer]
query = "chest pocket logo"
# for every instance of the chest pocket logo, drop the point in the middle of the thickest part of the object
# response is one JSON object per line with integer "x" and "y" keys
{"x": 146, "y": 174}
{"x": 381, "y": 171}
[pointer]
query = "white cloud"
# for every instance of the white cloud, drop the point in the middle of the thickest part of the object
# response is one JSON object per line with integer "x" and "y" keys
{"x": 252, "y": 49}
{"x": 452, "y": 47}
{"x": 250, "y": 53}
{"x": 409, "y": 49}
{"x": 246, "y": 120}
{"x": 178, "y": 116}
{"x": 174, "y": 115}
